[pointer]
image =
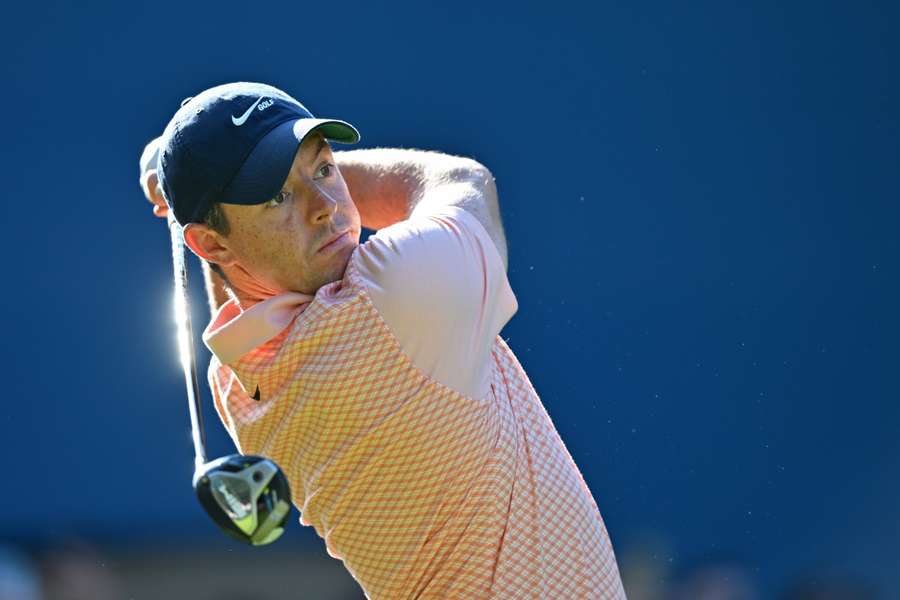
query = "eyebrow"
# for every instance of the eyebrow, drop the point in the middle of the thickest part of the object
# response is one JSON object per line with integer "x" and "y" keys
{"x": 321, "y": 145}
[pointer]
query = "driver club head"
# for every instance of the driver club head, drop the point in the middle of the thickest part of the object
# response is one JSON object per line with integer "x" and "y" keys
{"x": 248, "y": 497}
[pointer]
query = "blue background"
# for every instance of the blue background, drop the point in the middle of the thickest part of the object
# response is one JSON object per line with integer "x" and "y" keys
{"x": 701, "y": 202}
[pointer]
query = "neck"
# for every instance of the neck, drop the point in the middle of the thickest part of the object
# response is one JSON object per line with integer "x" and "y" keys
{"x": 247, "y": 289}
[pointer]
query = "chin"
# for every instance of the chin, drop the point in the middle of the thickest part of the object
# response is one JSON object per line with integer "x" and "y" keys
{"x": 338, "y": 273}
{"x": 335, "y": 273}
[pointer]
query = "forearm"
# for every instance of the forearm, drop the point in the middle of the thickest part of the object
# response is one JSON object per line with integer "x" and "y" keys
{"x": 386, "y": 184}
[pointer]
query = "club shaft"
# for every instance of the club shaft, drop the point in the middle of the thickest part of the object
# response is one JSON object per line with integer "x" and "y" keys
{"x": 186, "y": 341}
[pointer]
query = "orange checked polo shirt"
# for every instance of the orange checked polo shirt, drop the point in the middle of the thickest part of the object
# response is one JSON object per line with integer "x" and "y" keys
{"x": 413, "y": 441}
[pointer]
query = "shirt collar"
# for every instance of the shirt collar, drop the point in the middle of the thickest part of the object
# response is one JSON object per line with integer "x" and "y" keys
{"x": 234, "y": 332}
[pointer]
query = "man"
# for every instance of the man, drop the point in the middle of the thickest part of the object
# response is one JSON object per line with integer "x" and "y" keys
{"x": 374, "y": 374}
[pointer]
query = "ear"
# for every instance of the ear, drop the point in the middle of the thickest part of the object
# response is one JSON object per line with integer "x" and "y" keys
{"x": 208, "y": 244}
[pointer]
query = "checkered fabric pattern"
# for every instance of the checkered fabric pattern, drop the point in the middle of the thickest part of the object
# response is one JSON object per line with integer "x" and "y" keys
{"x": 421, "y": 491}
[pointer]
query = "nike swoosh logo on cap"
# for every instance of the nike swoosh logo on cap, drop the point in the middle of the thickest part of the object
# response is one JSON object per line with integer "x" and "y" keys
{"x": 243, "y": 118}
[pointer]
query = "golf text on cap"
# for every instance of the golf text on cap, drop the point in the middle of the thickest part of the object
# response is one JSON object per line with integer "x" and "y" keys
{"x": 238, "y": 121}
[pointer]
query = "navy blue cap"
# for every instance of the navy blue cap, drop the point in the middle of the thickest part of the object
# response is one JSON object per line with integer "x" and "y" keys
{"x": 235, "y": 143}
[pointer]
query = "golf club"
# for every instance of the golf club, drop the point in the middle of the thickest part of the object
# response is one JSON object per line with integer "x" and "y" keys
{"x": 248, "y": 497}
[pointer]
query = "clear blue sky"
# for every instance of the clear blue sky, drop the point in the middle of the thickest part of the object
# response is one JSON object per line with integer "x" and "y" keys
{"x": 701, "y": 202}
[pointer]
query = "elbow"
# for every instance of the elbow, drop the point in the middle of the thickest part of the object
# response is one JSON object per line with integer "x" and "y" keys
{"x": 482, "y": 177}
{"x": 470, "y": 171}
{"x": 484, "y": 181}
{"x": 479, "y": 170}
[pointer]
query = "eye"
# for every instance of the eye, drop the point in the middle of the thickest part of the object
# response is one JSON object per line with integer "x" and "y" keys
{"x": 324, "y": 171}
{"x": 279, "y": 199}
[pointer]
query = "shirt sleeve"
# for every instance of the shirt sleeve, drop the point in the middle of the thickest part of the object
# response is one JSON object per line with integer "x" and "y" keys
{"x": 439, "y": 283}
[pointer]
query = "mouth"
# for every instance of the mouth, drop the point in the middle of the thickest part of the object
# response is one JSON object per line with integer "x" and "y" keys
{"x": 335, "y": 241}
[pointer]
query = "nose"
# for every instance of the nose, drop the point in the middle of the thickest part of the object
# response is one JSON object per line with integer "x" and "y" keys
{"x": 322, "y": 205}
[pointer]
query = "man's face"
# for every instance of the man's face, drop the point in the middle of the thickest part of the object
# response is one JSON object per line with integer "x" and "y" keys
{"x": 282, "y": 242}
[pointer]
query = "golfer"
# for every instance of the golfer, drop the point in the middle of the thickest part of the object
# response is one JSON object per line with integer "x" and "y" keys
{"x": 373, "y": 374}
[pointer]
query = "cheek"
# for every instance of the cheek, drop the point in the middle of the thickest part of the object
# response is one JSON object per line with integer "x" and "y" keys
{"x": 351, "y": 207}
{"x": 349, "y": 210}
{"x": 287, "y": 247}
{"x": 268, "y": 250}
{"x": 283, "y": 244}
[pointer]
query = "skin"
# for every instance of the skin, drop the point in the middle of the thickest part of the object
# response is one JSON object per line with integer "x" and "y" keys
{"x": 276, "y": 246}
{"x": 271, "y": 251}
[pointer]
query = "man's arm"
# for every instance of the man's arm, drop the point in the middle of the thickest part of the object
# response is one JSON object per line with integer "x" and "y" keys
{"x": 388, "y": 185}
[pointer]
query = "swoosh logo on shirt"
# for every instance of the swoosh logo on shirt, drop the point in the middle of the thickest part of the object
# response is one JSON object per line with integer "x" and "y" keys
{"x": 256, "y": 395}
{"x": 238, "y": 121}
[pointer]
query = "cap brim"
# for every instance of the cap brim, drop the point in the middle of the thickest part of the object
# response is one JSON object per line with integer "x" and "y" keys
{"x": 264, "y": 172}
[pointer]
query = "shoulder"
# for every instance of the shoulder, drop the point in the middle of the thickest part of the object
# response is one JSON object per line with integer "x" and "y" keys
{"x": 428, "y": 239}
{"x": 439, "y": 284}
{"x": 434, "y": 259}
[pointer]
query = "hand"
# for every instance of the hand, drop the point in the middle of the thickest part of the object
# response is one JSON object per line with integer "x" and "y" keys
{"x": 153, "y": 193}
